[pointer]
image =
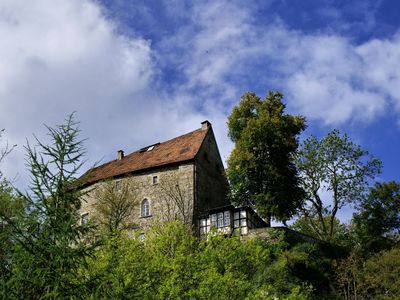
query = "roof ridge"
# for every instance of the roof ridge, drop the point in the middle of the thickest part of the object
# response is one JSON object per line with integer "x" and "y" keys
{"x": 178, "y": 149}
{"x": 160, "y": 143}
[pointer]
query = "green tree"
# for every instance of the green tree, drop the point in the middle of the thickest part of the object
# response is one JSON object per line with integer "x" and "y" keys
{"x": 49, "y": 240}
{"x": 11, "y": 207}
{"x": 376, "y": 223}
{"x": 349, "y": 276}
{"x": 374, "y": 278}
{"x": 314, "y": 228}
{"x": 173, "y": 264}
{"x": 340, "y": 168}
{"x": 261, "y": 170}
{"x": 381, "y": 275}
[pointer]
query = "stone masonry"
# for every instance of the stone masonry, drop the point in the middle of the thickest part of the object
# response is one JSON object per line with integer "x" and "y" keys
{"x": 181, "y": 178}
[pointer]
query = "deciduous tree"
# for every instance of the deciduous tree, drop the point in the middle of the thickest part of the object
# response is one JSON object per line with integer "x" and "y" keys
{"x": 261, "y": 170}
{"x": 115, "y": 205}
{"x": 377, "y": 220}
{"x": 176, "y": 198}
{"x": 340, "y": 168}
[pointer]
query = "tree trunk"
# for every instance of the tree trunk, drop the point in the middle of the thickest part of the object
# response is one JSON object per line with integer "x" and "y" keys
{"x": 268, "y": 218}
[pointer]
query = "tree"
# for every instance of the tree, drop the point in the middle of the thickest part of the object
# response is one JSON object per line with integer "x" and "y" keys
{"x": 314, "y": 228}
{"x": 261, "y": 170}
{"x": 114, "y": 206}
{"x": 11, "y": 207}
{"x": 374, "y": 278}
{"x": 377, "y": 221}
{"x": 173, "y": 264}
{"x": 339, "y": 167}
{"x": 176, "y": 195}
{"x": 381, "y": 277}
{"x": 348, "y": 276}
{"x": 49, "y": 244}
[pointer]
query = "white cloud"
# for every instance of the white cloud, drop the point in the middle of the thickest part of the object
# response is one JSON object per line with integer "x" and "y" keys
{"x": 330, "y": 80}
{"x": 63, "y": 56}
{"x": 224, "y": 50}
{"x": 381, "y": 68}
{"x": 59, "y": 56}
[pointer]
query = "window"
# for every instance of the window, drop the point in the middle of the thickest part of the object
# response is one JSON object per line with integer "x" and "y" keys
{"x": 118, "y": 185}
{"x": 221, "y": 219}
{"x": 84, "y": 218}
{"x": 220, "y": 222}
{"x": 214, "y": 220}
{"x": 155, "y": 179}
{"x": 240, "y": 221}
{"x": 148, "y": 148}
{"x": 204, "y": 226}
{"x": 227, "y": 218}
{"x": 145, "y": 208}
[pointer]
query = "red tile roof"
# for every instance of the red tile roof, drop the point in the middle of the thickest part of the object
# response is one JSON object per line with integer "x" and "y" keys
{"x": 180, "y": 149}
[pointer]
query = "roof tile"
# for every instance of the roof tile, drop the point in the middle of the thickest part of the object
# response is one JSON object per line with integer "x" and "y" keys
{"x": 179, "y": 149}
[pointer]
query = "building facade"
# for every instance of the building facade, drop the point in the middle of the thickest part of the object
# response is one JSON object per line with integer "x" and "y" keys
{"x": 182, "y": 178}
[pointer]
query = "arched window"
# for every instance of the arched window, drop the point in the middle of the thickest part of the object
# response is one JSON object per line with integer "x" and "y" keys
{"x": 145, "y": 208}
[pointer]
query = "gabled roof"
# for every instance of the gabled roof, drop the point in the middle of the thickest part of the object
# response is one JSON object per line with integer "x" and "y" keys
{"x": 179, "y": 149}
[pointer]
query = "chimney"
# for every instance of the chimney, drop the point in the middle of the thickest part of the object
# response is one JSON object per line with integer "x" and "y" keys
{"x": 120, "y": 154}
{"x": 205, "y": 124}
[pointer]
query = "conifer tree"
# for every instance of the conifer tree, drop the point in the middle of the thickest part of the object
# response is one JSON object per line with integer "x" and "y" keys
{"x": 50, "y": 244}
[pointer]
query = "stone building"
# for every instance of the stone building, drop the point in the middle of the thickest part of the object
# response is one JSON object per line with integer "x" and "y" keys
{"x": 182, "y": 178}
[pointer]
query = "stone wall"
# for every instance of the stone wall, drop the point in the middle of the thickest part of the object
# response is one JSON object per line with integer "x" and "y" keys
{"x": 184, "y": 191}
{"x": 172, "y": 197}
{"x": 211, "y": 183}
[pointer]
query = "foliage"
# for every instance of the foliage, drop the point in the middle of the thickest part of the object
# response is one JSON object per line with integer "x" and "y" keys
{"x": 172, "y": 264}
{"x": 261, "y": 171}
{"x": 339, "y": 167}
{"x": 49, "y": 245}
{"x": 314, "y": 228}
{"x": 46, "y": 253}
{"x": 174, "y": 195}
{"x": 348, "y": 279}
{"x": 377, "y": 221}
{"x": 374, "y": 278}
{"x": 114, "y": 206}
{"x": 381, "y": 275}
{"x": 11, "y": 208}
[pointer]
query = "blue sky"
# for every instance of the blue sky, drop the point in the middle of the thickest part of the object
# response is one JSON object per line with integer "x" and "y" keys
{"x": 139, "y": 72}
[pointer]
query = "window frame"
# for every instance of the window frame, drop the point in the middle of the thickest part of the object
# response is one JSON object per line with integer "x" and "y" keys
{"x": 118, "y": 184}
{"x": 240, "y": 221}
{"x": 84, "y": 218}
{"x": 155, "y": 179}
{"x": 145, "y": 208}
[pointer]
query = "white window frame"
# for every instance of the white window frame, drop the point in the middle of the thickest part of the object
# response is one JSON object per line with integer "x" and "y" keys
{"x": 84, "y": 218}
{"x": 118, "y": 184}
{"x": 145, "y": 208}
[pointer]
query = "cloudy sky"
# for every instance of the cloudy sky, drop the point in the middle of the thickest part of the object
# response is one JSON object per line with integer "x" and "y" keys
{"x": 139, "y": 72}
